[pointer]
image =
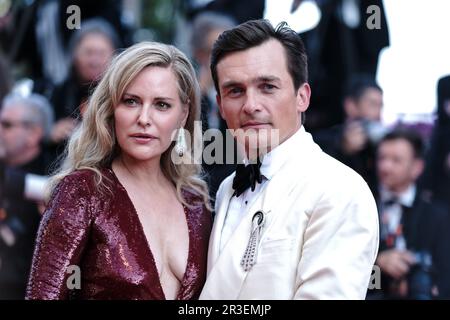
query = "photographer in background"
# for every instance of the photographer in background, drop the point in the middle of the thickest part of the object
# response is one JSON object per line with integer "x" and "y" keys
{"x": 436, "y": 179}
{"x": 24, "y": 124}
{"x": 414, "y": 240}
{"x": 91, "y": 49}
{"x": 353, "y": 142}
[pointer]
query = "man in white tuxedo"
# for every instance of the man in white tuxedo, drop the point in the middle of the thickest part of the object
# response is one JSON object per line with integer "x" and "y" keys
{"x": 298, "y": 224}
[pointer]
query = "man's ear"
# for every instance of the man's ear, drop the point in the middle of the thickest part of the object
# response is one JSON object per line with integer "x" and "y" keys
{"x": 303, "y": 97}
{"x": 418, "y": 167}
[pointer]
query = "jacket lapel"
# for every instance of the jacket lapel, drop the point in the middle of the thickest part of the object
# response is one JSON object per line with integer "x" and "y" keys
{"x": 214, "y": 241}
{"x": 225, "y": 274}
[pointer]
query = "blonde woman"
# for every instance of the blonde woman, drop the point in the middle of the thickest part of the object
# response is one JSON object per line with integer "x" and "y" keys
{"x": 124, "y": 220}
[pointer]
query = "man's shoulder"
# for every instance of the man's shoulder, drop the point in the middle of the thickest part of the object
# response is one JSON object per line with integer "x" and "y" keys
{"x": 431, "y": 209}
{"x": 333, "y": 181}
{"x": 325, "y": 169}
{"x": 334, "y": 167}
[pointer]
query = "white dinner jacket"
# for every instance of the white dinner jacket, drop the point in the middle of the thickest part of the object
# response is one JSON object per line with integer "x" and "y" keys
{"x": 320, "y": 239}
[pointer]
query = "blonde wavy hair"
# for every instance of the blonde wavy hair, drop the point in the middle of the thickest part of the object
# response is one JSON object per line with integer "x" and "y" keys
{"x": 93, "y": 145}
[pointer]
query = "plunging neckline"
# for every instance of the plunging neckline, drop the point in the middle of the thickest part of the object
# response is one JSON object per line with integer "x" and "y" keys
{"x": 147, "y": 244}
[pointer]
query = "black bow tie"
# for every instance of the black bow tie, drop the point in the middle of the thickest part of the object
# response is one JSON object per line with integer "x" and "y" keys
{"x": 390, "y": 201}
{"x": 393, "y": 201}
{"x": 246, "y": 177}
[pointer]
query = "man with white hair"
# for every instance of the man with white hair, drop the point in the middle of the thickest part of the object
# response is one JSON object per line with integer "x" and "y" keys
{"x": 25, "y": 122}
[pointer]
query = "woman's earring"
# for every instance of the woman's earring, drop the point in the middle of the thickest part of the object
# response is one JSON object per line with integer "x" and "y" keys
{"x": 180, "y": 146}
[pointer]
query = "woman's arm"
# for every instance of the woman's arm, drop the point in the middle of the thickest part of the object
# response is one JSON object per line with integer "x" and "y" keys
{"x": 62, "y": 236}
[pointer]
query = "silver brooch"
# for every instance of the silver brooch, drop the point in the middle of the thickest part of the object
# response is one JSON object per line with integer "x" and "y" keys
{"x": 251, "y": 252}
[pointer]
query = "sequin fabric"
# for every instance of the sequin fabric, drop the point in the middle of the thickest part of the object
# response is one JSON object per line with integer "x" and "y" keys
{"x": 101, "y": 234}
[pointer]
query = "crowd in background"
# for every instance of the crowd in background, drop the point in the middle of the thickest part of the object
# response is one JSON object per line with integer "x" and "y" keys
{"x": 47, "y": 72}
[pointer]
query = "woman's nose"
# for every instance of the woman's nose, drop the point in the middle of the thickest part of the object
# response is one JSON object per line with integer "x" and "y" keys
{"x": 144, "y": 119}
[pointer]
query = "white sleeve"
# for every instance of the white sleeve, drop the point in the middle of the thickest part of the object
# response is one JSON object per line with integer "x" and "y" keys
{"x": 340, "y": 245}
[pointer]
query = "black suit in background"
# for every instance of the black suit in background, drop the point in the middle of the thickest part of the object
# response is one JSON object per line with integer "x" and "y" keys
{"x": 22, "y": 218}
{"x": 215, "y": 173}
{"x": 21, "y": 43}
{"x": 436, "y": 178}
{"x": 336, "y": 52}
{"x": 425, "y": 229}
{"x": 240, "y": 11}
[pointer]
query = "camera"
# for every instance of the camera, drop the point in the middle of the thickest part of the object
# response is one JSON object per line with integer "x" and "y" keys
{"x": 374, "y": 130}
{"x": 420, "y": 277}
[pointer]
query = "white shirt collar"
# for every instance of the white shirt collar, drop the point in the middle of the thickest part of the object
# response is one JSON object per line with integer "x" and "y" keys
{"x": 274, "y": 160}
{"x": 406, "y": 198}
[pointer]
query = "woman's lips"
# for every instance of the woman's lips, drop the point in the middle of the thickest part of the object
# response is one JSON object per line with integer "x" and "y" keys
{"x": 142, "y": 138}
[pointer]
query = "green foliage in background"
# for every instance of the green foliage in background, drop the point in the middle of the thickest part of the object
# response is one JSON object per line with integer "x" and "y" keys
{"x": 159, "y": 15}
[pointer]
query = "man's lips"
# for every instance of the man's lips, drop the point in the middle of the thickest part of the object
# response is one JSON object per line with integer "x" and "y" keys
{"x": 254, "y": 125}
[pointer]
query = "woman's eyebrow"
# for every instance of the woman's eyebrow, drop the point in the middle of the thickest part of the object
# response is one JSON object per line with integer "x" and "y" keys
{"x": 131, "y": 95}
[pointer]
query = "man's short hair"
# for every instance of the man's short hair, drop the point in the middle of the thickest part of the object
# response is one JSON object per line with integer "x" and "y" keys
{"x": 255, "y": 32}
{"x": 206, "y": 22}
{"x": 358, "y": 84}
{"x": 39, "y": 110}
{"x": 94, "y": 26}
{"x": 409, "y": 135}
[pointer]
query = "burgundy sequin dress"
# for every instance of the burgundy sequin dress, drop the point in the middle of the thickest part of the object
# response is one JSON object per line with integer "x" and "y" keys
{"x": 102, "y": 235}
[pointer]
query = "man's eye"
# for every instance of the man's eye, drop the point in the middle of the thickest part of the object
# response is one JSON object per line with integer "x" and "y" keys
{"x": 235, "y": 91}
{"x": 268, "y": 87}
{"x": 163, "y": 105}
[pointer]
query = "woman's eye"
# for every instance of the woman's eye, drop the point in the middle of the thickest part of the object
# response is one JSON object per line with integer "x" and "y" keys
{"x": 130, "y": 102}
{"x": 162, "y": 105}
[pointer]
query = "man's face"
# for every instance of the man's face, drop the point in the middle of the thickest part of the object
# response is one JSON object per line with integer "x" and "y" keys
{"x": 396, "y": 164}
{"x": 257, "y": 93}
{"x": 92, "y": 56}
{"x": 14, "y": 131}
{"x": 369, "y": 105}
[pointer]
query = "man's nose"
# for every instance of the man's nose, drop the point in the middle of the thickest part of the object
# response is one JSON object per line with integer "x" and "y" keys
{"x": 385, "y": 166}
{"x": 251, "y": 103}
